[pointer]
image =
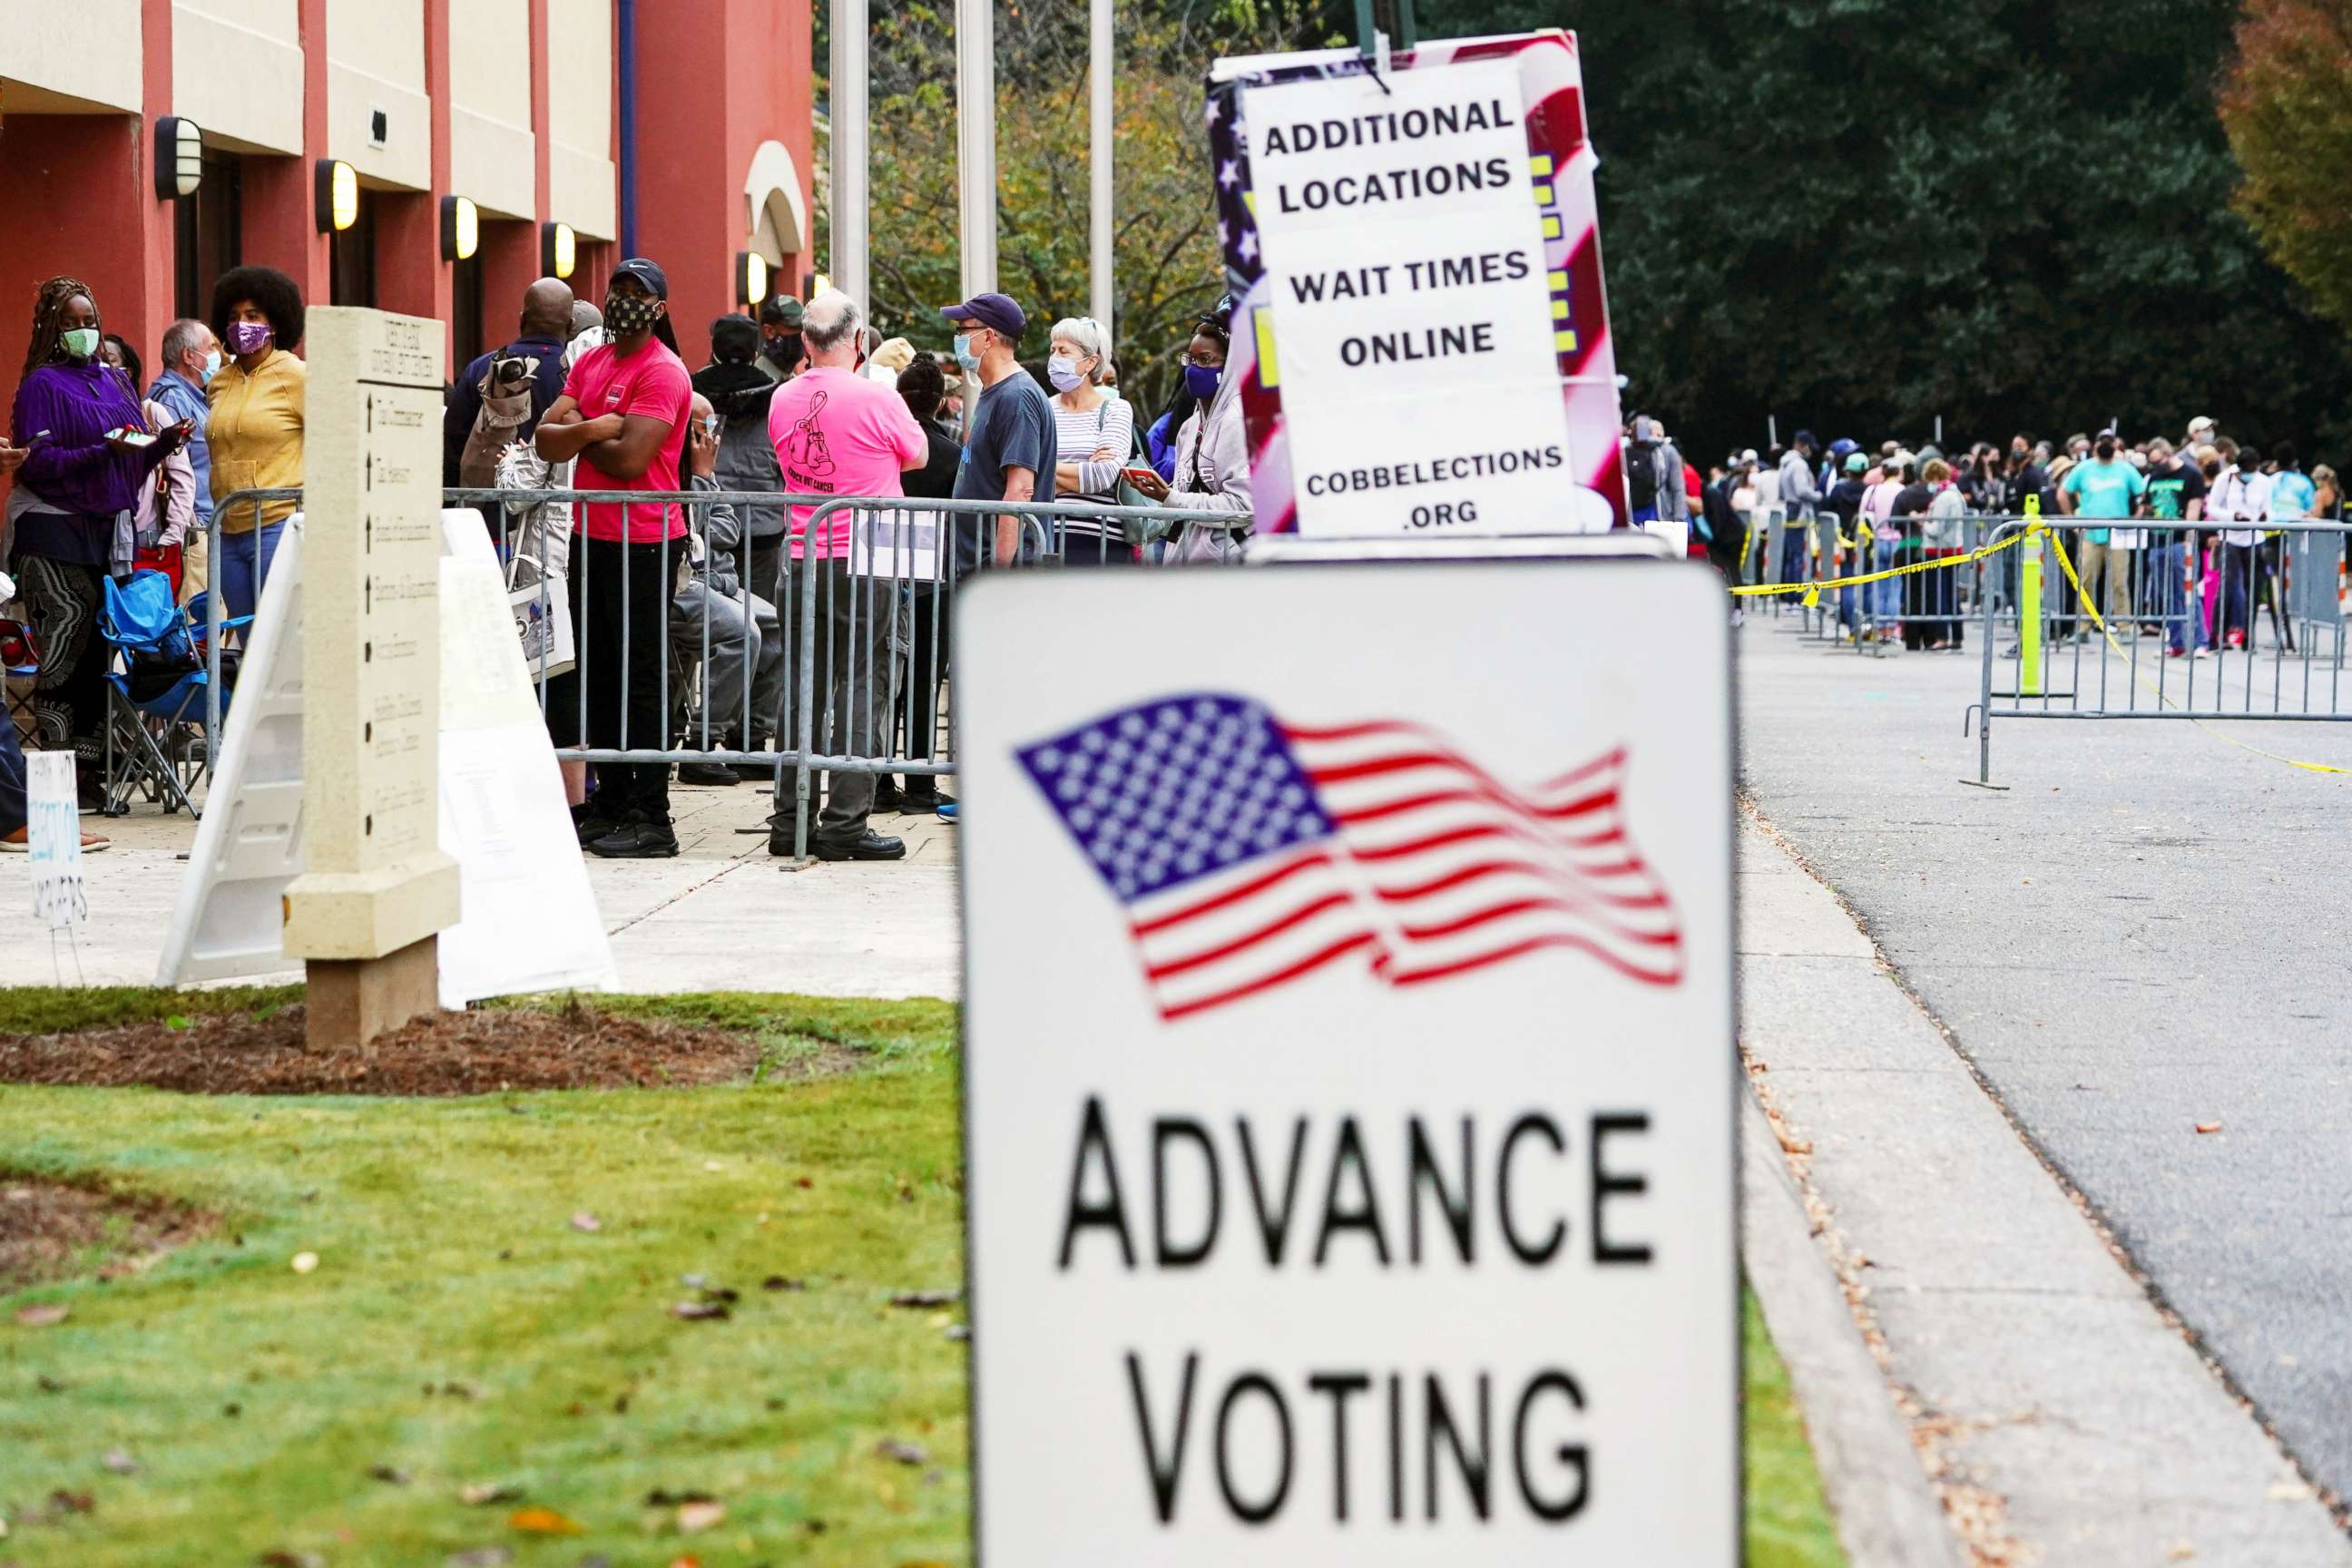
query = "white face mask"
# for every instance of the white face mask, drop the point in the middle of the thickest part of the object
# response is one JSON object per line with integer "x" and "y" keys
{"x": 1065, "y": 374}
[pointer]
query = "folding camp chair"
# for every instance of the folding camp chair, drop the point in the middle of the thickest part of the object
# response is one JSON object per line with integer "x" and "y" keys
{"x": 155, "y": 700}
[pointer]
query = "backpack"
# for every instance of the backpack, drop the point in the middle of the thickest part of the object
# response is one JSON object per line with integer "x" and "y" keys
{"x": 506, "y": 390}
{"x": 1641, "y": 474}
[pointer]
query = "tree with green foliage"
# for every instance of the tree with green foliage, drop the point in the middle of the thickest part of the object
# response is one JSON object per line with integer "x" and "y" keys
{"x": 1862, "y": 214}
{"x": 1166, "y": 264}
{"x": 2286, "y": 104}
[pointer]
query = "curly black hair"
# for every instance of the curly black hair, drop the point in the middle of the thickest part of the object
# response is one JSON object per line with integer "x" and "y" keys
{"x": 922, "y": 385}
{"x": 268, "y": 288}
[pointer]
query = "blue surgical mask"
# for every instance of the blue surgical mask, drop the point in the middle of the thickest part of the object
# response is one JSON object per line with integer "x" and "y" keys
{"x": 212, "y": 366}
{"x": 1200, "y": 380}
{"x": 1065, "y": 374}
{"x": 964, "y": 356}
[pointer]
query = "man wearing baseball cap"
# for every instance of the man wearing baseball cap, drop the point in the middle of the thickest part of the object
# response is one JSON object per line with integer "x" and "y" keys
{"x": 624, "y": 416}
{"x": 1009, "y": 453}
{"x": 781, "y": 353}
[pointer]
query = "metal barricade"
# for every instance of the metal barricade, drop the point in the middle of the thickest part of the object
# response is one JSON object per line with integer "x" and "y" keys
{"x": 2149, "y": 621}
{"x": 741, "y": 663}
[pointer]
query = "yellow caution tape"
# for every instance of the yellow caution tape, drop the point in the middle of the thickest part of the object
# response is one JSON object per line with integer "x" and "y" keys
{"x": 2099, "y": 621}
{"x": 1813, "y": 591}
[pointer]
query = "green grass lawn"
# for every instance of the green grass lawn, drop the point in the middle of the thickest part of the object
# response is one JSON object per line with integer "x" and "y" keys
{"x": 459, "y": 1331}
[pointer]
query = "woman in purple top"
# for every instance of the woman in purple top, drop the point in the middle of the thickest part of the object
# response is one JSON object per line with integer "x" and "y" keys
{"x": 69, "y": 515}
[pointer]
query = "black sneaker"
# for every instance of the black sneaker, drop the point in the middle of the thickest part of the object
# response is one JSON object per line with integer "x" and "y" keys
{"x": 709, "y": 775}
{"x": 888, "y": 796}
{"x": 591, "y": 823}
{"x": 922, "y": 801}
{"x": 639, "y": 838}
{"x": 870, "y": 846}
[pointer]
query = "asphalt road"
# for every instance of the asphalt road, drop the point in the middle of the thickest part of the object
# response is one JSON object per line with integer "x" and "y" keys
{"x": 2147, "y": 931}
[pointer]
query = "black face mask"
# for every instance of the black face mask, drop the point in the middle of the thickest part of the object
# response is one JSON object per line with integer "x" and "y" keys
{"x": 2106, "y": 450}
{"x": 627, "y": 313}
{"x": 784, "y": 353}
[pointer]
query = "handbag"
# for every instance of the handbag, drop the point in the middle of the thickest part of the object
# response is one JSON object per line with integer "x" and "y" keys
{"x": 542, "y": 609}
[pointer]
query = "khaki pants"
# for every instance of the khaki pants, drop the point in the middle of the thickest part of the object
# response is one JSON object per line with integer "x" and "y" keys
{"x": 195, "y": 563}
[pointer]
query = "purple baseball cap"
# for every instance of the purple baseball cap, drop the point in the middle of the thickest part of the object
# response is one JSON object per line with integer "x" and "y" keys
{"x": 995, "y": 312}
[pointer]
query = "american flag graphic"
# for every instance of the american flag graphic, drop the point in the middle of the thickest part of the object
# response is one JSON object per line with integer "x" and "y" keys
{"x": 1247, "y": 852}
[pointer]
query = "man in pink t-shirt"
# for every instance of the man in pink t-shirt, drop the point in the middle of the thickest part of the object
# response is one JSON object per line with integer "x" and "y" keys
{"x": 623, "y": 415}
{"x": 838, "y": 434}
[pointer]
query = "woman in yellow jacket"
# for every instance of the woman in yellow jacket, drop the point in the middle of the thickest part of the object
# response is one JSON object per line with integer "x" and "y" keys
{"x": 256, "y": 428}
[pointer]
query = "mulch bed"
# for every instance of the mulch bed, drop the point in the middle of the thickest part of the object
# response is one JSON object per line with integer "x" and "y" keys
{"x": 46, "y": 1228}
{"x": 478, "y": 1052}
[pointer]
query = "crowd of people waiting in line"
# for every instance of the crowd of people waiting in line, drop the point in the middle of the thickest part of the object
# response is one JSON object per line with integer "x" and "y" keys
{"x": 2196, "y": 559}
{"x": 104, "y": 479}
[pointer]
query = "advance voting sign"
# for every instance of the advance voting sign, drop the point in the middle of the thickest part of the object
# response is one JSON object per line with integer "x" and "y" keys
{"x": 1424, "y": 348}
{"x": 1349, "y": 1072}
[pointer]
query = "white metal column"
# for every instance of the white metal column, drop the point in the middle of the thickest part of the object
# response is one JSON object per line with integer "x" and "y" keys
{"x": 847, "y": 111}
{"x": 976, "y": 142}
{"x": 1100, "y": 206}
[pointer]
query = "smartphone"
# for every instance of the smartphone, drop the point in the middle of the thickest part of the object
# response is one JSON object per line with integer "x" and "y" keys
{"x": 39, "y": 439}
{"x": 1141, "y": 476}
{"x": 130, "y": 437}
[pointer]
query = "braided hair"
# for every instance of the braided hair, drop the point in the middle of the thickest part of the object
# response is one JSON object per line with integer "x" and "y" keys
{"x": 48, "y": 318}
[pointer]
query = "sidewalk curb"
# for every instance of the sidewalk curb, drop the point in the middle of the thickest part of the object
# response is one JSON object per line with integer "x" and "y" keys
{"x": 1887, "y": 1512}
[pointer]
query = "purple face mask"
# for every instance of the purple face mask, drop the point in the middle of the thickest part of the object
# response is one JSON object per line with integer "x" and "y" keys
{"x": 249, "y": 337}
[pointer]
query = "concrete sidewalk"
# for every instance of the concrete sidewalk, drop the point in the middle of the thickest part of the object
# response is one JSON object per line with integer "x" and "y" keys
{"x": 723, "y": 916}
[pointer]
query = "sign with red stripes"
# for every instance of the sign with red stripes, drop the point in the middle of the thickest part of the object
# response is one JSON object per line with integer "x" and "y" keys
{"x": 1349, "y": 1068}
{"x": 1422, "y": 346}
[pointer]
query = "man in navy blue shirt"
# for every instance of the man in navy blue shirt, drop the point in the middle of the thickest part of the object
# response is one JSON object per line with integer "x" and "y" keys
{"x": 1010, "y": 450}
{"x": 546, "y": 327}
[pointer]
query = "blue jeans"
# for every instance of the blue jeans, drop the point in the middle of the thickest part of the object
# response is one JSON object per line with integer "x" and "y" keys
{"x": 1792, "y": 549}
{"x": 2178, "y": 606}
{"x": 244, "y": 567}
{"x": 1886, "y": 596}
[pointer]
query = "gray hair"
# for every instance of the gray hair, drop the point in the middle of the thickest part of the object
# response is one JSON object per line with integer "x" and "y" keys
{"x": 830, "y": 321}
{"x": 181, "y": 338}
{"x": 1091, "y": 337}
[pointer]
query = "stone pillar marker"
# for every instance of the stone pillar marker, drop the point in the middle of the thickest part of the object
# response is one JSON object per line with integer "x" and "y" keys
{"x": 376, "y": 887}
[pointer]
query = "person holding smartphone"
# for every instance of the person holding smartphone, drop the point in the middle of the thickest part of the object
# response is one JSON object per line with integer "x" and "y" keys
{"x": 1212, "y": 450}
{"x": 92, "y": 452}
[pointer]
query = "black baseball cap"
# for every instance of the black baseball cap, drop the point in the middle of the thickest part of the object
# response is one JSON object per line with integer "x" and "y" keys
{"x": 995, "y": 312}
{"x": 647, "y": 273}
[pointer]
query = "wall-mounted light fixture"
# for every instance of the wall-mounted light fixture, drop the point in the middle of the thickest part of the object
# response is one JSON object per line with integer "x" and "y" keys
{"x": 461, "y": 229}
{"x": 179, "y": 157}
{"x": 339, "y": 195}
{"x": 559, "y": 249}
{"x": 750, "y": 278}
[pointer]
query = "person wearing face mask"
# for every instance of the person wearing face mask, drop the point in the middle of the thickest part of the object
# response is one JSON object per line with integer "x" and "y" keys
{"x": 2105, "y": 486}
{"x": 621, "y": 420}
{"x": 739, "y": 389}
{"x": 69, "y": 516}
{"x": 1211, "y": 448}
{"x": 192, "y": 357}
{"x": 1096, "y": 431}
{"x": 256, "y": 429}
{"x": 782, "y": 354}
{"x": 1009, "y": 453}
{"x": 167, "y": 502}
{"x": 2241, "y": 496}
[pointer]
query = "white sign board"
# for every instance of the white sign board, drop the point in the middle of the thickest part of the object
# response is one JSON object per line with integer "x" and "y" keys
{"x": 1355, "y": 1184}
{"x": 53, "y": 838}
{"x": 900, "y": 544}
{"x": 527, "y": 918}
{"x": 1404, "y": 249}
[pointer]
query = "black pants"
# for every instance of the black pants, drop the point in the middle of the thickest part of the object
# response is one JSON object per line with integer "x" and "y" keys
{"x": 849, "y": 682}
{"x": 915, "y": 711}
{"x": 620, "y": 594}
{"x": 1083, "y": 549}
{"x": 62, "y": 599}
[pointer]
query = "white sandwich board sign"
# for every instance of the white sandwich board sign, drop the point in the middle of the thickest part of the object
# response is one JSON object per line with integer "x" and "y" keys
{"x": 1350, "y": 1069}
{"x": 53, "y": 838}
{"x": 527, "y": 919}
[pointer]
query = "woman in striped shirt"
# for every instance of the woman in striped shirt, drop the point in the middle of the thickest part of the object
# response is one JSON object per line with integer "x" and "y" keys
{"x": 1096, "y": 427}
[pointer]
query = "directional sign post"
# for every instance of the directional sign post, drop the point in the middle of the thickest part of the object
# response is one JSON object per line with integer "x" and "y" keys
{"x": 1350, "y": 1074}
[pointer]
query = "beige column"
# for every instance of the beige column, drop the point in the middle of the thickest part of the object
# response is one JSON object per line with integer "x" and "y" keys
{"x": 376, "y": 887}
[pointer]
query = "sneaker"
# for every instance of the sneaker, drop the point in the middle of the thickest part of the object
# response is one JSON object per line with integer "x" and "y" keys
{"x": 947, "y": 810}
{"x": 888, "y": 796}
{"x": 2176, "y": 653}
{"x": 21, "y": 842}
{"x": 867, "y": 846}
{"x": 638, "y": 838}
{"x": 708, "y": 776}
{"x": 928, "y": 800}
{"x": 591, "y": 823}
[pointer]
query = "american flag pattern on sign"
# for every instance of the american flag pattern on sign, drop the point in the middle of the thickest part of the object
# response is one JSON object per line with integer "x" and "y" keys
{"x": 1247, "y": 852}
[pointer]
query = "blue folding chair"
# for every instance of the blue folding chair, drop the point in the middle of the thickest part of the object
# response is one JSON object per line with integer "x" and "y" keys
{"x": 155, "y": 691}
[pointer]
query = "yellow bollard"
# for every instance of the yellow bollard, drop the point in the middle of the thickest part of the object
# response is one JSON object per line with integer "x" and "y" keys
{"x": 2029, "y": 604}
